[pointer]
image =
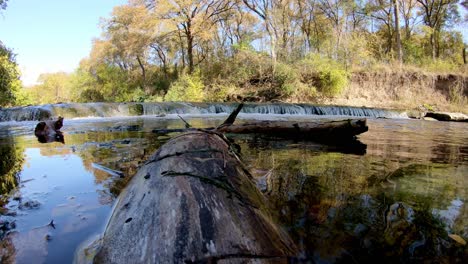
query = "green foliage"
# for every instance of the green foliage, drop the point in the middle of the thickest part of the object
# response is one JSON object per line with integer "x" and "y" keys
{"x": 11, "y": 164}
{"x": 53, "y": 88}
{"x": 186, "y": 88}
{"x": 10, "y": 84}
{"x": 327, "y": 75}
{"x": 438, "y": 65}
{"x": 219, "y": 92}
{"x": 286, "y": 77}
{"x": 91, "y": 95}
{"x": 332, "y": 81}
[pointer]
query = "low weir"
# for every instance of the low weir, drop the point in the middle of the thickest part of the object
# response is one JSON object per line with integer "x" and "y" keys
{"x": 80, "y": 110}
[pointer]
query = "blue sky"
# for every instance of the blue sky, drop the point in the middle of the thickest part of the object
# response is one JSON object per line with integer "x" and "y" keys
{"x": 52, "y": 35}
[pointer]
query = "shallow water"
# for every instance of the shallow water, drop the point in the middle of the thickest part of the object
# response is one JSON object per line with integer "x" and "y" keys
{"x": 397, "y": 193}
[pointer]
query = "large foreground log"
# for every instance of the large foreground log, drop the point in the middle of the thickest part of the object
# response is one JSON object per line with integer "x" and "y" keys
{"x": 193, "y": 202}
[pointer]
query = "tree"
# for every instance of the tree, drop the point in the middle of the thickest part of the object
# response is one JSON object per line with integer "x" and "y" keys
{"x": 53, "y": 88}
{"x": 397, "y": 31}
{"x": 438, "y": 14}
{"x": 10, "y": 83}
{"x": 194, "y": 22}
{"x": 131, "y": 31}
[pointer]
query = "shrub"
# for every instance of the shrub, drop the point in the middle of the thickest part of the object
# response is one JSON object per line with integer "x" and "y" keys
{"x": 327, "y": 75}
{"x": 91, "y": 95}
{"x": 303, "y": 92}
{"x": 286, "y": 78}
{"x": 332, "y": 81}
{"x": 186, "y": 88}
{"x": 219, "y": 92}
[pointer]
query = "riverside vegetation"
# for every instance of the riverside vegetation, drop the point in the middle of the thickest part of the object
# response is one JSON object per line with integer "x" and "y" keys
{"x": 378, "y": 53}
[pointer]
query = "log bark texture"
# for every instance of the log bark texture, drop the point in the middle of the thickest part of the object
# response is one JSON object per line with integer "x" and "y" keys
{"x": 193, "y": 202}
{"x": 336, "y": 130}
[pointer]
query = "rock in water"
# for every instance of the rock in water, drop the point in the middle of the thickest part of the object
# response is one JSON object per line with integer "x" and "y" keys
{"x": 444, "y": 116}
{"x": 199, "y": 205}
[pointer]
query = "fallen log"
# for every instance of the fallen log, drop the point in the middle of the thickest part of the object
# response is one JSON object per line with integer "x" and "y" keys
{"x": 193, "y": 202}
{"x": 340, "y": 130}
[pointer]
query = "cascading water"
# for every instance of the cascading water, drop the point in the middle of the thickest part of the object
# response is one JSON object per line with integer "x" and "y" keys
{"x": 77, "y": 110}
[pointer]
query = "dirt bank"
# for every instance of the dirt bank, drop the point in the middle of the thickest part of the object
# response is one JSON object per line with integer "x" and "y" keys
{"x": 405, "y": 90}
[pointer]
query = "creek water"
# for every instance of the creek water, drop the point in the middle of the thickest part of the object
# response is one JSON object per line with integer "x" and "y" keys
{"x": 399, "y": 193}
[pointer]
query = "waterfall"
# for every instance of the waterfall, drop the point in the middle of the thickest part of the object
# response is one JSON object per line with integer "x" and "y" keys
{"x": 76, "y": 110}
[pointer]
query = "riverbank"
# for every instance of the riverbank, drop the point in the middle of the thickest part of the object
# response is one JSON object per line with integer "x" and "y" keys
{"x": 386, "y": 88}
{"x": 406, "y": 90}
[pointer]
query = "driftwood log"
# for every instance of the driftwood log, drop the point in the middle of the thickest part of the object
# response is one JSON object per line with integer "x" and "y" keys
{"x": 319, "y": 130}
{"x": 193, "y": 202}
{"x": 338, "y": 130}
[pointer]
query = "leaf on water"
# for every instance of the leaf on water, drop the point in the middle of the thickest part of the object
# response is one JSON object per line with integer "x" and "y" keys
{"x": 458, "y": 238}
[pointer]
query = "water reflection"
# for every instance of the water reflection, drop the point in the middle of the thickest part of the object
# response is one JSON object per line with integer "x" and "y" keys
{"x": 11, "y": 163}
{"x": 396, "y": 195}
{"x": 400, "y": 201}
{"x": 60, "y": 183}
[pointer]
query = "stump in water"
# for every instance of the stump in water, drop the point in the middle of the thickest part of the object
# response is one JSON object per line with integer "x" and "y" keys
{"x": 49, "y": 131}
{"x": 193, "y": 201}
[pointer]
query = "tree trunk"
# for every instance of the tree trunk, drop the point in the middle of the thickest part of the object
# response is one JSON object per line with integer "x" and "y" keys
{"x": 397, "y": 31}
{"x": 190, "y": 47}
{"x": 143, "y": 73}
{"x": 193, "y": 202}
{"x": 433, "y": 46}
{"x": 464, "y": 54}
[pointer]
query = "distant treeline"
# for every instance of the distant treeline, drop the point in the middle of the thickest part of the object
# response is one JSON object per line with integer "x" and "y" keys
{"x": 218, "y": 50}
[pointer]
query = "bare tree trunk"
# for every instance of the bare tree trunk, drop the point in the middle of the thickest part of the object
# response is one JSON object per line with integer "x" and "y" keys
{"x": 143, "y": 73}
{"x": 397, "y": 31}
{"x": 464, "y": 55}
{"x": 433, "y": 46}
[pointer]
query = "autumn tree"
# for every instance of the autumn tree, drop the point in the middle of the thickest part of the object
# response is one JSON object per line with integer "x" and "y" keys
{"x": 194, "y": 21}
{"x": 438, "y": 14}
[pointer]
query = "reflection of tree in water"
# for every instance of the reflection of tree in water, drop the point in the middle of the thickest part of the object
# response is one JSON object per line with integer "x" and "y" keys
{"x": 11, "y": 163}
{"x": 122, "y": 151}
